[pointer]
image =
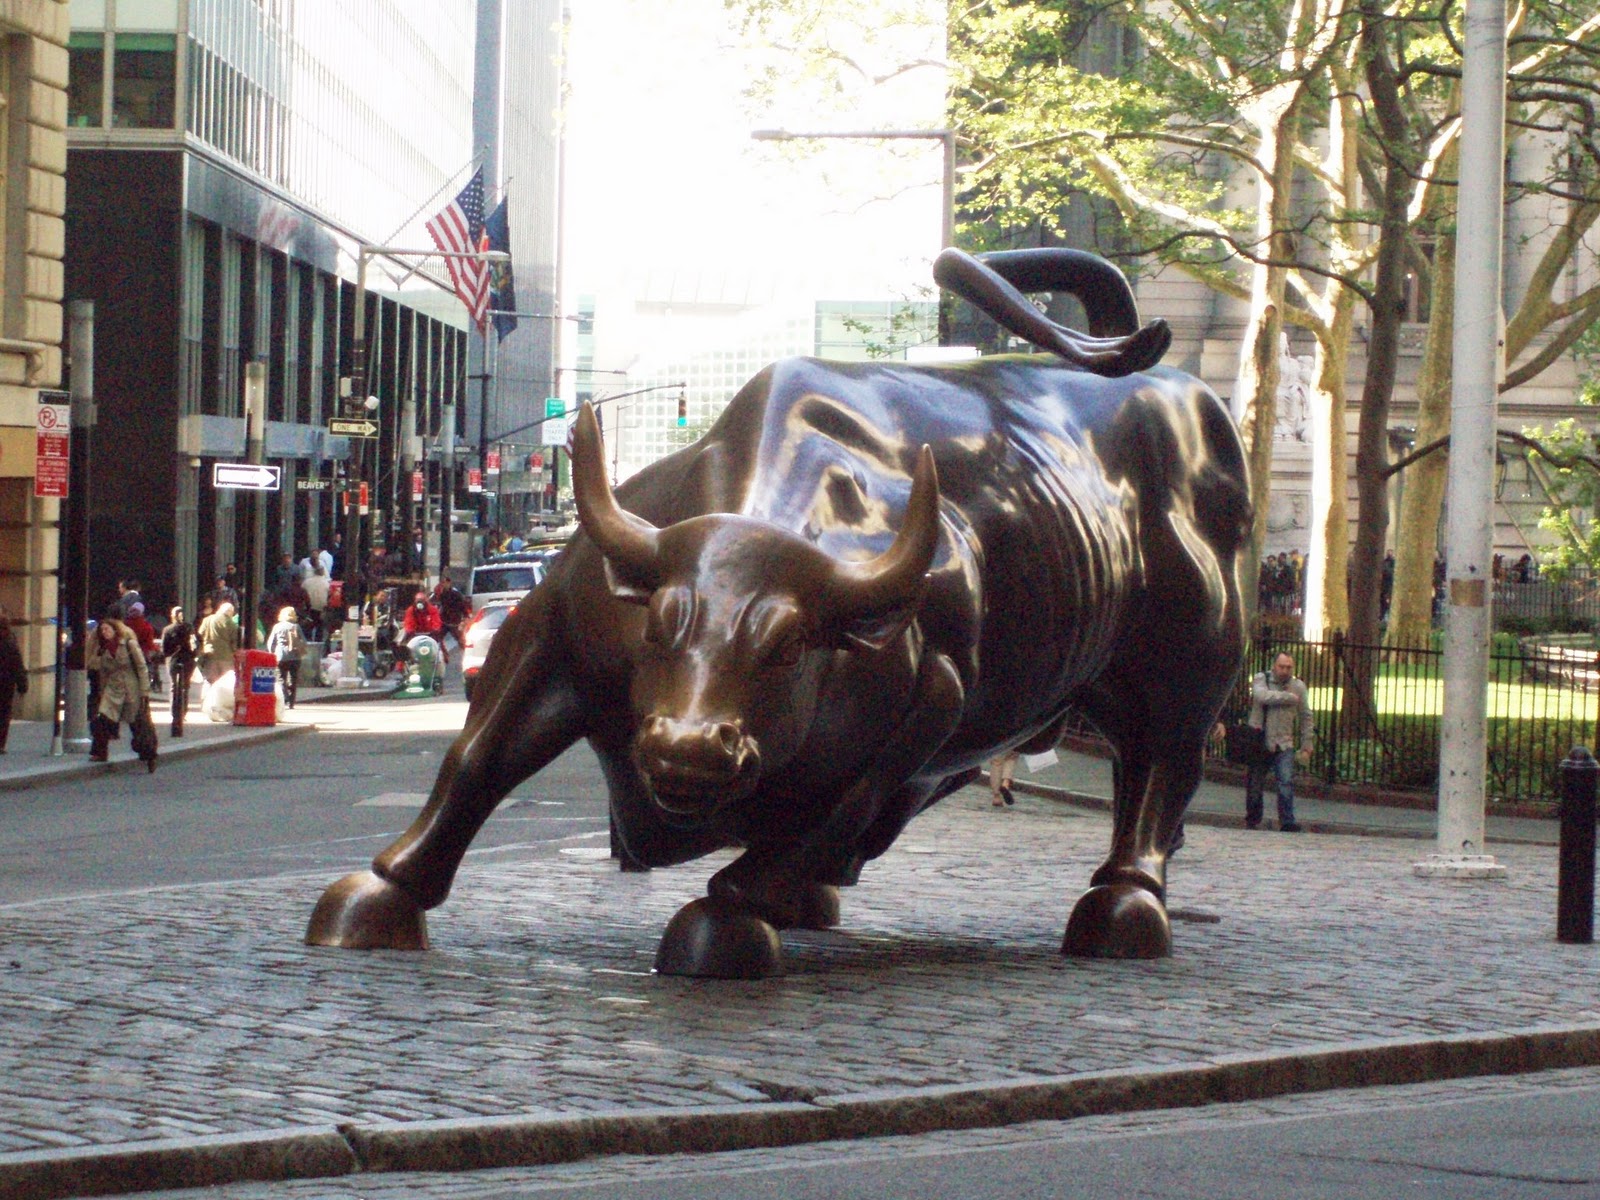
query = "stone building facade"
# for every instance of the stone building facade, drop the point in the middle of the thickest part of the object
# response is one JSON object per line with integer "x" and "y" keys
{"x": 33, "y": 160}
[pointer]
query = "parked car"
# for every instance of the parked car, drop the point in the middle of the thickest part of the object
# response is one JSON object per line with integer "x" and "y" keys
{"x": 476, "y": 637}
{"x": 508, "y": 576}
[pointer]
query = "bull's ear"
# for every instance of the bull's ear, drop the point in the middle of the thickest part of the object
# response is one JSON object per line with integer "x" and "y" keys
{"x": 877, "y": 630}
{"x": 627, "y": 587}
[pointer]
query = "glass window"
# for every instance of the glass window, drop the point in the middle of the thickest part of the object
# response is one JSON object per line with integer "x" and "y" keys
{"x": 144, "y": 14}
{"x": 88, "y": 14}
{"x": 144, "y": 83}
{"x": 86, "y": 73}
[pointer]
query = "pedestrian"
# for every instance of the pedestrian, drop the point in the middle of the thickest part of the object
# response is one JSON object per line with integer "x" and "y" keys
{"x": 13, "y": 675}
{"x": 223, "y": 593}
{"x": 219, "y": 639}
{"x": 1002, "y": 771}
{"x": 284, "y": 574}
{"x": 316, "y": 587}
{"x": 114, "y": 655}
{"x": 1278, "y": 707}
{"x": 422, "y": 619}
{"x": 287, "y": 644}
{"x": 133, "y": 617}
{"x": 178, "y": 648}
{"x": 127, "y": 595}
{"x": 454, "y": 608}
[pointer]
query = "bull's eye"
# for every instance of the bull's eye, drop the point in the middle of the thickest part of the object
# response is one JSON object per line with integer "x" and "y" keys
{"x": 788, "y": 651}
{"x": 654, "y": 630}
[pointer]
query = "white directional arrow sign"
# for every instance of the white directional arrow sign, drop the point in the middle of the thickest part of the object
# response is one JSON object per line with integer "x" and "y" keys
{"x": 254, "y": 476}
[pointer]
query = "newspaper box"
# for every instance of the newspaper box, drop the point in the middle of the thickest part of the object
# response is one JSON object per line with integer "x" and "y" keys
{"x": 255, "y": 700}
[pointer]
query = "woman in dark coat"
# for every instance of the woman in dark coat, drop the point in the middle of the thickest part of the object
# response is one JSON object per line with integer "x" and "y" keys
{"x": 13, "y": 676}
{"x": 178, "y": 648}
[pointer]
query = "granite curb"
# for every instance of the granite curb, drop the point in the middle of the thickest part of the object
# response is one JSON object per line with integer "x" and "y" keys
{"x": 320, "y": 1152}
{"x": 65, "y": 768}
{"x": 345, "y": 695}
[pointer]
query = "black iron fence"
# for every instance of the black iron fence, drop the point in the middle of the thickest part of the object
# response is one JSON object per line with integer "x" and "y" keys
{"x": 1544, "y": 605}
{"x": 1543, "y": 699}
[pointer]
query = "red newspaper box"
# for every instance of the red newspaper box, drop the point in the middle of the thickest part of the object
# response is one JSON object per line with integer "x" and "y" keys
{"x": 255, "y": 675}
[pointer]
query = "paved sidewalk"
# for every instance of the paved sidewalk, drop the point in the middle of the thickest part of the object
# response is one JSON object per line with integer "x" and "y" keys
{"x": 183, "y": 1037}
{"x": 29, "y": 761}
{"x": 1085, "y": 779}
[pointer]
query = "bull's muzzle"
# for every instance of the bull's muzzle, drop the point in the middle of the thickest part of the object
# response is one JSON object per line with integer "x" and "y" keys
{"x": 696, "y": 766}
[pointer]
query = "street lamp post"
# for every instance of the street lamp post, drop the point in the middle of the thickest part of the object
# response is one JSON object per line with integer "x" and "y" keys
{"x": 565, "y": 413}
{"x": 357, "y": 399}
{"x": 947, "y": 198}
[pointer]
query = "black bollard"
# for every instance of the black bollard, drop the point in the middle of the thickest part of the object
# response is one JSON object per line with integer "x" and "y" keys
{"x": 1575, "y": 880}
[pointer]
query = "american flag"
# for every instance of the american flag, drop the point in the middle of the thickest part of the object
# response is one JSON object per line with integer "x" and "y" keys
{"x": 458, "y": 229}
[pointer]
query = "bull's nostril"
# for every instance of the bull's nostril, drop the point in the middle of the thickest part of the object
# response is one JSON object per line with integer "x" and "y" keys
{"x": 727, "y": 736}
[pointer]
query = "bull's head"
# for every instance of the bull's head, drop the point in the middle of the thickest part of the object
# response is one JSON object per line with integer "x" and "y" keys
{"x": 742, "y": 620}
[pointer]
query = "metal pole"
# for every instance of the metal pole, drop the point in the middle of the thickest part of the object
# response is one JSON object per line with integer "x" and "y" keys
{"x": 483, "y": 430}
{"x": 947, "y": 224}
{"x": 1478, "y": 351}
{"x": 255, "y": 419}
{"x": 1575, "y": 878}
{"x": 408, "y": 464}
{"x": 80, "y": 353}
{"x": 447, "y": 467}
{"x": 355, "y": 397}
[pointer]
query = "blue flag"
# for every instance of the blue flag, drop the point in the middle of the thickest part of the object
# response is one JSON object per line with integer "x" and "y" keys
{"x": 502, "y": 288}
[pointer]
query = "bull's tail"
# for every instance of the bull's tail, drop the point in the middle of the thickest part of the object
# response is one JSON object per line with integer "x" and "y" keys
{"x": 1116, "y": 343}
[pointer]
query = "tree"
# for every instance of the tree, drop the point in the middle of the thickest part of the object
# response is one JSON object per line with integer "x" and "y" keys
{"x": 1201, "y": 143}
{"x": 1553, "y": 80}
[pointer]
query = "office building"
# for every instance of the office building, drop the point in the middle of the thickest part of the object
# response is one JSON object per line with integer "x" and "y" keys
{"x": 33, "y": 157}
{"x": 229, "y": 159}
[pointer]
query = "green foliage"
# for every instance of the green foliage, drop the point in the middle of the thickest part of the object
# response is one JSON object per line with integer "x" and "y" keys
{"x": 907, "y": 326}
{"x": 1574, "y": 489}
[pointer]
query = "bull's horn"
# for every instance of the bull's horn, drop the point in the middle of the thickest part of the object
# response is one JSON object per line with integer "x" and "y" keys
{"x": 895, "y": 576}
{"x": 627, "y": 542}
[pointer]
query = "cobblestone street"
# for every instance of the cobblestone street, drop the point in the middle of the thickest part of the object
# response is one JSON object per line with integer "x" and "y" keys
{"x": 197, "y": 1010}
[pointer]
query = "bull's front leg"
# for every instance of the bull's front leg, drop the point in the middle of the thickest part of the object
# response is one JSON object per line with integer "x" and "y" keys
{"x": 732, "y": 932}
{"x": 524, "y": 713}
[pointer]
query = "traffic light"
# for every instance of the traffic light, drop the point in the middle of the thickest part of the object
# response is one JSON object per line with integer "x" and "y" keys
{"x": 683, "y": 411}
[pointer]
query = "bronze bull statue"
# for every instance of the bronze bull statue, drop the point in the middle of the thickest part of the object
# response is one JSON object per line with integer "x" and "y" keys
{"x": 865, "y": 581}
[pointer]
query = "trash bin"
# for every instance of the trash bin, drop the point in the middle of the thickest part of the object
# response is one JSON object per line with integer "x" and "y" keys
{"x": 255, "y": 700}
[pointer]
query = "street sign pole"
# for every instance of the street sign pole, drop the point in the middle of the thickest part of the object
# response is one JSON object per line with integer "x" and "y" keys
{"x": 255, "y": 416}
{"x": 80, "y": 352}
{"x": 354, "y": 560}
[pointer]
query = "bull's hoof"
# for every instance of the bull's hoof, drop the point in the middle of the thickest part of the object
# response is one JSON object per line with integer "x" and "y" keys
{"x": 816, "y": 907}
{"x": 1118, "y": 920}
{"x": 712, "y": 939}
{"x": 364, "y": 911}
{"x": 782, "y": 902}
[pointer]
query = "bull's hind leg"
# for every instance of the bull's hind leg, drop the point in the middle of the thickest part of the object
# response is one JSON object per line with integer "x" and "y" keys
{"x": 1123, "y": 914}
{"x": 523, "y": 715}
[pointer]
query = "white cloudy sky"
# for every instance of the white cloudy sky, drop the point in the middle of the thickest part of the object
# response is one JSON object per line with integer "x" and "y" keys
{"x": 664, "y": 179}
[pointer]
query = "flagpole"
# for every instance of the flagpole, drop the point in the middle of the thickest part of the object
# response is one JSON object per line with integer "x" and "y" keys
{"x": 472, "y": 164}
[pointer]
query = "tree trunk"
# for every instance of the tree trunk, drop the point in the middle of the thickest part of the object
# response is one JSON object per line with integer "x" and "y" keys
{"x": 1256, "y": 387}
{"x": 1327, "y": 607}
{"x": 1422, "y": 497}
{"x": 1383, "y": 354}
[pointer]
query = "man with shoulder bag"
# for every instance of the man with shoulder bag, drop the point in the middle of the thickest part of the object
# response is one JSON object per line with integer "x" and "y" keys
{"x": 1279, "y": 708}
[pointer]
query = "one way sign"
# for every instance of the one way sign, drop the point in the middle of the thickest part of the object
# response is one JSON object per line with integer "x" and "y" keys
{"x": 254, "y": 476}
